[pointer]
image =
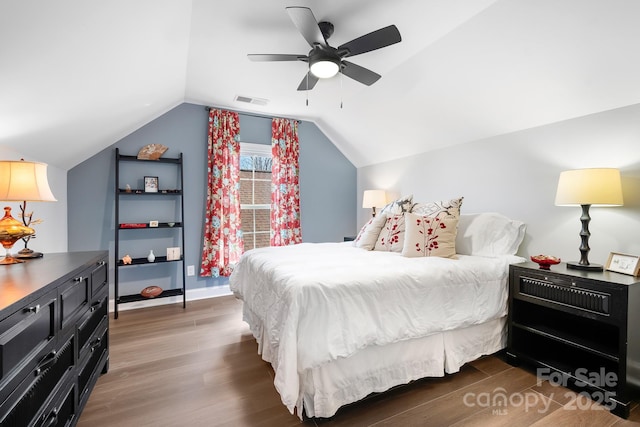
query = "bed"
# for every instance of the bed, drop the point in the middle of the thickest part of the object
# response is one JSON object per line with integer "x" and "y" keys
{"x": 338, "y": 322}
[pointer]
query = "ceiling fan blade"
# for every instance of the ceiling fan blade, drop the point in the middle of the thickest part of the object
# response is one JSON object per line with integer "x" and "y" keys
{"x": 380, "y": 38}
{"x": 308, "y": 82}
{"x": 276, "y": 57}
{"x": 360, "y": 74}
{"x": 307, "y": 24}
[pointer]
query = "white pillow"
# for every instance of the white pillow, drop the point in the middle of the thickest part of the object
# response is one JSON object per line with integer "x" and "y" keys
{"x": 369, "y": 232}
{"x": 429, "y": 236}
{"x": 488, "y": 234}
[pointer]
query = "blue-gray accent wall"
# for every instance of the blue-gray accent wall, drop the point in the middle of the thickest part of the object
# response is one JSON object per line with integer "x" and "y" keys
{"x": 327, "y": 184}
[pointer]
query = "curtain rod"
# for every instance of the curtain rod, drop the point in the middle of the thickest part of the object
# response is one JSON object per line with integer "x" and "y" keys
{"x": 261, "y": 116}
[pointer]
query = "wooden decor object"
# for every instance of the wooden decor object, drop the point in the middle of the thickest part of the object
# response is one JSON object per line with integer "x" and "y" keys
{"x": 152, "y": 151}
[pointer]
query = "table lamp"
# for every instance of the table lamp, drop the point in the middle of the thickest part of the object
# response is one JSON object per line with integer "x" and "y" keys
{"x": 374, "y": 199}
{"x": 586, "y": 187}
{"x": 20, "y": 181}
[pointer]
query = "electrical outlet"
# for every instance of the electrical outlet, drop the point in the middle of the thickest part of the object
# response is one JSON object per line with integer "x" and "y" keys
{"x": 191, "y": 270}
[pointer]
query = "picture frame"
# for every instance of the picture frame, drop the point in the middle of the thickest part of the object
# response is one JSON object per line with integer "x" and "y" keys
{"x": 623, "y": 263}
{"x": 173, "y": 254}
{"x": 153, "y": 223}
{"x": 150, "y": 184}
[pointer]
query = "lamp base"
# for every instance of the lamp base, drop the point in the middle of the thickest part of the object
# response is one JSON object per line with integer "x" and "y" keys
{"x": 8, "y": 260}
{"x": 28, "y": 254}
{"x": 588, "y": 267}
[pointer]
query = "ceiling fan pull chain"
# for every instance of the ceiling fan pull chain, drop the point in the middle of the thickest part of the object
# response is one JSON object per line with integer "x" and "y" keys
{"x": 341, "y": 75}
{"x": 308, "y": 71}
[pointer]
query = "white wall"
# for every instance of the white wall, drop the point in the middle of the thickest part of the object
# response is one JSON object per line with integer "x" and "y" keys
{"x": 51, "y": 234}
{"x": 516, "y": 174}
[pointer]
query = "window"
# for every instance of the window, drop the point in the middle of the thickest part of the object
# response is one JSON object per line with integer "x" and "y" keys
{"x": 255, "y": 194}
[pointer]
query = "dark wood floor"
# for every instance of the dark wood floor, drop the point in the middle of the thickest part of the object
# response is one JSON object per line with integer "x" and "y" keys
{"x": 199, "y": 367}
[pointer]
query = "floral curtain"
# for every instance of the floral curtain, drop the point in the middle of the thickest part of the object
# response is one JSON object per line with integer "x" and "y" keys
{"x": 222, "y": 245}
{"x": 285, "y": 194}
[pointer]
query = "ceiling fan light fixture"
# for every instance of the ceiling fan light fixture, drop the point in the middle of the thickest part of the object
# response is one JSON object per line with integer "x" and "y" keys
{"x": 325, "y": 68}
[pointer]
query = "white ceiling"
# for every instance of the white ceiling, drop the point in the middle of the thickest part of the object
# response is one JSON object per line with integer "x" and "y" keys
{"x": 78, "y": 75}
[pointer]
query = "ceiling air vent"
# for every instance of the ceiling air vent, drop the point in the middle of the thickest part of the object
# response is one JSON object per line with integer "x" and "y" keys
{"x": 248, "y": 100}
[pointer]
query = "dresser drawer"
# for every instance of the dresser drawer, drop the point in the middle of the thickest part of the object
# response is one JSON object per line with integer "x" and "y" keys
{"x": 93, "y": 364}
{"x": 62, "y": 411}
{"x": 99, "y": 279}
{"x": 26, "y": 336}
{"x": 88, "y": 327}
{"x": 74, "y": 298}
{"x": 30, "y": 397}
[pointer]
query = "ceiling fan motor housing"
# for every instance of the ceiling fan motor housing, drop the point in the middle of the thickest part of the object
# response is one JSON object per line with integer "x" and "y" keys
{"x": 326, "y": 28}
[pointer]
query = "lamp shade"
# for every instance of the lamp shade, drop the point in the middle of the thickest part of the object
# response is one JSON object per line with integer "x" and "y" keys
{"x": 24, "y": 181}
{"x": 374, "y": 199}
{"x": 590, "y": 187}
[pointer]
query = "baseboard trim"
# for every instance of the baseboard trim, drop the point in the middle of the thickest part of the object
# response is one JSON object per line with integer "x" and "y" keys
{"x": 192, "y": 295}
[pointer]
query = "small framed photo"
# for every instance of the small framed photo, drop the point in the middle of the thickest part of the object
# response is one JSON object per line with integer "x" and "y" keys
{"x": 150, "y": 184}
{"x": 625, "y": 264}
{"x": 173, "y": 254}
{"x": 153, "y": 223}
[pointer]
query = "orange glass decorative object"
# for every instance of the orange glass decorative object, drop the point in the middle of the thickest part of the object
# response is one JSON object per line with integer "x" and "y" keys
{"x": 11, "y": 230}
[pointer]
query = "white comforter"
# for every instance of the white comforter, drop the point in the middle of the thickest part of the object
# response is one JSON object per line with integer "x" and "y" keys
{"x": 312, "y": 303}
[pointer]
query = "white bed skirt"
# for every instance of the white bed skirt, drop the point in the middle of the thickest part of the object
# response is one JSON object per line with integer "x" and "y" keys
{"x": 324, "y": 389}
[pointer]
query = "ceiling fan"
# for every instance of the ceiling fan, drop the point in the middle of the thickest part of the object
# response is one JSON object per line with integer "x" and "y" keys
{"x": 326, "y": 61}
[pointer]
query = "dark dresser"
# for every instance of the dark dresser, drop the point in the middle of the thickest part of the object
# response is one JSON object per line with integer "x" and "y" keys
{"x": 54, "y": 341}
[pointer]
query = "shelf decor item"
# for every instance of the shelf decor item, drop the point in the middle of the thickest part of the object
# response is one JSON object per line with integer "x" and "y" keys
{"x": 150, "y": 184}
{"x": 173, "y": 254}
{"x": 545, "y": 261}
{"x": 133, "y": 225}
{"x": 151, "y": 291}
{"x": 152, "y": 152}
{"x": 151, "y": 257}
{"x": 586, "y": 187}
{"x": 21, "y": 181}
{"x": 625, "y": 264}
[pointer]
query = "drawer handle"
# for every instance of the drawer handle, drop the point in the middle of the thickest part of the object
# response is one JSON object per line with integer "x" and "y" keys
{"x": 102, "y": 263}
{"x": 52, "y": 419}
{"x": 95, "y": 344}
{"x": 95, "y": 306}
{"x": 51, "y": 359}
{"x": 34, "y": 309}
{"x": 79, "y": 279}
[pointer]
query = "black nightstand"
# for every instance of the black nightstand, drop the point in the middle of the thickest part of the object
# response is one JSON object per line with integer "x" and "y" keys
{"x": 579, "y": 329}
{"x": 349, "y": 238}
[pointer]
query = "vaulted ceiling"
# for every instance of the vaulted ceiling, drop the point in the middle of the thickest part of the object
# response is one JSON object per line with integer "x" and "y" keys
{"x": 77, "y": 75}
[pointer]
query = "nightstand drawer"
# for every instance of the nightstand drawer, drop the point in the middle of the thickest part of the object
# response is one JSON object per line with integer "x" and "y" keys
{"x": 564, "y": 292}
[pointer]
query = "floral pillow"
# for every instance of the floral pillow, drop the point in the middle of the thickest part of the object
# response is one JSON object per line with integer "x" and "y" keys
{"x": 398, "y": 207}
{"x": 391, "y": 238}
{"x": 369, "y": 233}
{"x": 443, "y": 208}
{"x": 429, "y": 236}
